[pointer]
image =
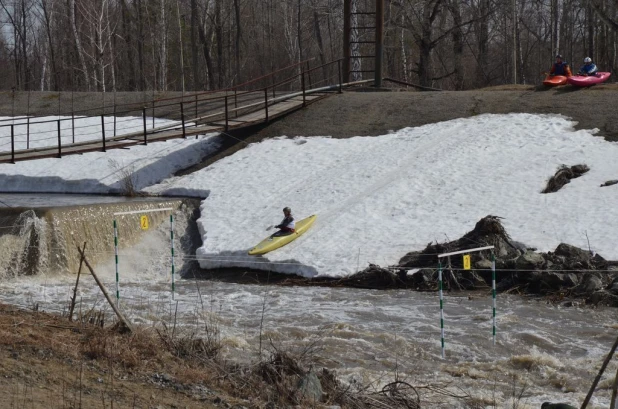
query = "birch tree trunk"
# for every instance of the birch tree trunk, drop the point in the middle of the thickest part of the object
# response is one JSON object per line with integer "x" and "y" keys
{"x": 238, "y": 73}
{"x": 78, "y": 44}
{"x": 458, "y": 45}
{"x": 182, "y": 62}
{"x": 48, "y": 24}
{"x": 163, "y": 47}
{"x": 483, "y": 42}
{"x": 219, "y": 38}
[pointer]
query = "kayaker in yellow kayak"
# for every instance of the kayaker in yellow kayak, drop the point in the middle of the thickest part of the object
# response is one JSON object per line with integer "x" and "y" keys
{"x": 287, "y": 225}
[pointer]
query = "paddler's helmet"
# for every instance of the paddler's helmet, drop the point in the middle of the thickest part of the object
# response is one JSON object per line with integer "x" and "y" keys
{"x": 287, "y": 210}
{"x": 587, "y": 60}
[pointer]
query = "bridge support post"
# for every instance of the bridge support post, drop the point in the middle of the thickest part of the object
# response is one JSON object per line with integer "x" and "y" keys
{"x": 144, "y": 120}
{"x": 182, "y": 118}
{"x": 103, "y": 132}
{"x": 227, "y": 125}
{"x": 12, "y": 143}
{"x": 59, "y": 141}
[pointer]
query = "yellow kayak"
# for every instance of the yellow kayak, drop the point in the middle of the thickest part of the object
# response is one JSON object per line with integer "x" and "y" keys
{"x": 272, "y": 243}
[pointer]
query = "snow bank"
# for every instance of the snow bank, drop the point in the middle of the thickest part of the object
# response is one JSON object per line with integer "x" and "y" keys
{"x": 97, "y": 172}
{"x": 379, "y": 197}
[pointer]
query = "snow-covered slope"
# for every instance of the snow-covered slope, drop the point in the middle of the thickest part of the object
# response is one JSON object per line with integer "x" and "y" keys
{"x": 379, "y": 197}
{"x": 95, "y": 172}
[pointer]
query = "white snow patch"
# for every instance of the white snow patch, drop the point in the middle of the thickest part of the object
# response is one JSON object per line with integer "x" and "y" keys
{"x": 379, "y": 197}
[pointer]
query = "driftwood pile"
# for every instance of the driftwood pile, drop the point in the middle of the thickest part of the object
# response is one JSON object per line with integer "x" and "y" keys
{"x": 563, "y": 175}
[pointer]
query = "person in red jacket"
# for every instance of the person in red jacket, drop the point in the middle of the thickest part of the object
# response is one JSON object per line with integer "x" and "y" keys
{"x": 560, "y": 67}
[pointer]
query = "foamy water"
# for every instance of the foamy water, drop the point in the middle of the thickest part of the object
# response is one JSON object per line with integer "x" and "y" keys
{"x": 366, "y": 335}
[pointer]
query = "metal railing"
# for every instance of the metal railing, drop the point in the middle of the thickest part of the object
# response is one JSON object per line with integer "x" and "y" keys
{"x": 212, "y": 108}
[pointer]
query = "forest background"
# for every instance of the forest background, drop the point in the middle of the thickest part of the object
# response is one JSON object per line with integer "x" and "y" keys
{"x": 192, "y": 45}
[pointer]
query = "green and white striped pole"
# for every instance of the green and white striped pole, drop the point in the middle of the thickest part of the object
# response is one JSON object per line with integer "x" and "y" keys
{"x": 493, "y": 292}
{"x": 441, "y": 307}
{"x": 116, "y": 256}
{"x": 172, "y": 246}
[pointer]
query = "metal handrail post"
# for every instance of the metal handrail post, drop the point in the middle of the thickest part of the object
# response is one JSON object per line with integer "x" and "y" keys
{"x": 182, "y": 118}
{"x": 12, "y": 143}
{"x": 196, "y": 110}
{"x": 235, "y": 103}
{"x": 302, "y": 81}
{"x": 266, "y": 103}
{"x": 144, "y": 120}
{"x": 103, "y": 131}
{"x": 309, "y": 75}
{"x": 28, "y": 133}
{"x": 226, "y": 115}
{"x": 59, "y": 141}
{"x": 73, "y": 125}
{"x": 340, "y": 76}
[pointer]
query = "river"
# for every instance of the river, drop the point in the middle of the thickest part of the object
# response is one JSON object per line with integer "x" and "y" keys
{"x": 544, "y": 351}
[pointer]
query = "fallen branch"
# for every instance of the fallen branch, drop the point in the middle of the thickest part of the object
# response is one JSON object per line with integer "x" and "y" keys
{"x": 81, "y": 262}
{"x": 119, "y": 314}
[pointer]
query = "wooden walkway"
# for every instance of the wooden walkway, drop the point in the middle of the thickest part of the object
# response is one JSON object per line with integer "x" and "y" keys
{"x": 252, "y": 114}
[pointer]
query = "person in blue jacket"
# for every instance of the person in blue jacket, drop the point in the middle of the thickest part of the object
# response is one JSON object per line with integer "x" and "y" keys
{"x": 588, "y": 68}
{"x": 560, "y": 67}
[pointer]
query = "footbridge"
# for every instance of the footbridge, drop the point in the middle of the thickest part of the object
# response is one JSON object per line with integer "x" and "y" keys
{"x": 255, "y": 102}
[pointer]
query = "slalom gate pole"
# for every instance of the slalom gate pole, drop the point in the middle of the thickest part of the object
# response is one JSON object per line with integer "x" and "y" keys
{"x": 441, "y": 307}
{"x": 172, "y": 246}
{"x": 493, "y": 294}
{"x": 116, "y": 257}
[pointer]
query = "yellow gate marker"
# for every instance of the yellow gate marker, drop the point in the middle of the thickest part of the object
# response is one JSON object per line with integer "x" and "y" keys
{"x": 466, "y": 262}
{"x": 143, "y": 222}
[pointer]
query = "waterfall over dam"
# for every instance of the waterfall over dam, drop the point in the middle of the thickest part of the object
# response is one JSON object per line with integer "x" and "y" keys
{"x": 44, "y": 239}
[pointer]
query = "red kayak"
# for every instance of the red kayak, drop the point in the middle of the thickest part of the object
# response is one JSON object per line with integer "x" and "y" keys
{"x": 588, "y": 80}
{"x": 555, "y": 80}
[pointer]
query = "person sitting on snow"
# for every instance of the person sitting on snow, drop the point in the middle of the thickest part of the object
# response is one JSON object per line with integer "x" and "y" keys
{"x": 560, "y": 67}
{"x": 588, "y": 68}
{"x": 287, "y": 224}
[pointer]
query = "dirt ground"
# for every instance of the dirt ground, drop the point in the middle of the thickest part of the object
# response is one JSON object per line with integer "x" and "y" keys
{"x": 47, "y": 362}
{"x": 376, "y": 113}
